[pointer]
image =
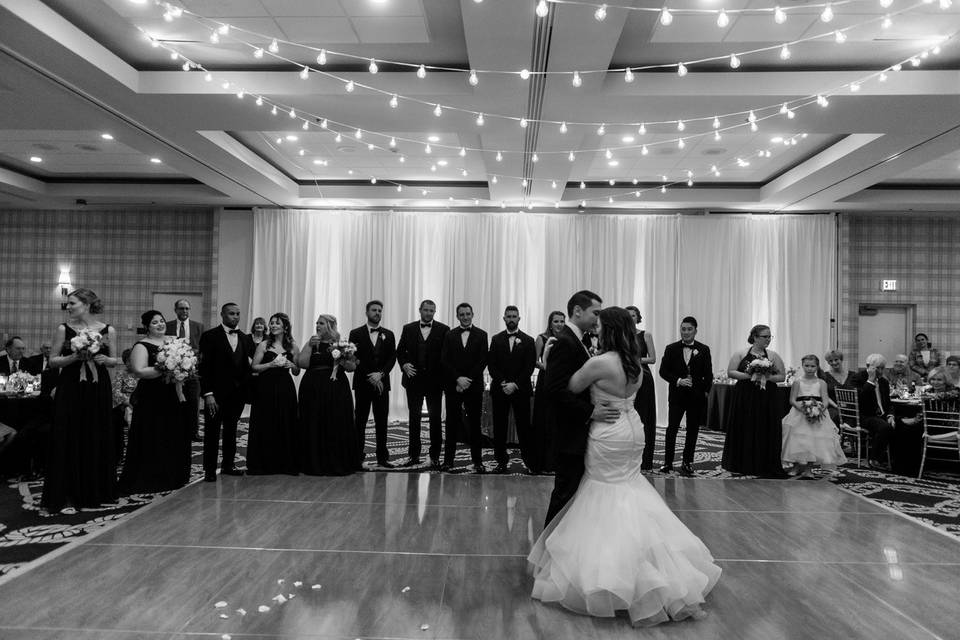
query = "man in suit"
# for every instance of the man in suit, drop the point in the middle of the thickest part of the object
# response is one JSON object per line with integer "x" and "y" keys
{"x": 418, "y": 353}
{"x": 569, "y": 414}
{"x": 189, "y": 330}
{"x": 376, "y": 355}
{"x": 40, "y": 362}
{"x": 876, "y": 410}
{"x": 688, "y": 369}
{"x": 14, "y": 361}
{"x": 464, "y": 357}
{"x": 224, "y": 370}
{"x": 511, "y": 361}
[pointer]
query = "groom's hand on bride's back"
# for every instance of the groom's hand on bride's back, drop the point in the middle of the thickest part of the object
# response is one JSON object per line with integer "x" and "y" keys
{"x": 603, "y": 412}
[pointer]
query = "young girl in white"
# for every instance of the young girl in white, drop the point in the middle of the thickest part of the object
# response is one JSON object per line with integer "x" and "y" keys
{"x": 809, "y": 435}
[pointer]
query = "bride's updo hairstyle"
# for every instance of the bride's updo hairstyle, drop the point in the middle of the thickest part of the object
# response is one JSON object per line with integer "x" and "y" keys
{"x": 89, "y": 298}
{"x": 619, "y": 334}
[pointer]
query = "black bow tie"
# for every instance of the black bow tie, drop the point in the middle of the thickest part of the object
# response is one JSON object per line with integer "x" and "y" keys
{"x": 465, "y": 330}
{"x": 426, "y": 325}
{"x": 233, "y": 331}
{"x": 688, "y": 346}
{"x": 375, "y": 330}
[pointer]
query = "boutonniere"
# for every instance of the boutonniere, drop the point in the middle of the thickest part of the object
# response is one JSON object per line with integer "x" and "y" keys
{"x": 695, "y": 352}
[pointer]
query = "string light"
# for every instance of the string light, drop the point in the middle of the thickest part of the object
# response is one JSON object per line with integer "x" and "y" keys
{"x": 274, "y": 47}
{"x": 350, "y": 86}
{"x": 358, "y": 134}
{"x": 437, "y": 111}
{"x": 293, "y": 113}
{"x": 373, "y": 68}
{"x": 784, "y": 52}
{"x": 716, "y": 123}
{"x": 643, "y": 150}
{"x": 499, "y": 157}
{"x": 473, "y": 79}
{"x": 304, "y": 73}
{"x": 258, "y": 53}
{"x": 643, "y": 129}
{"x": 394, "y": 101}
{"x": 463, "y": 152}
{"x": 563, "y": 127}
{"x": 576, "y": 81}
{"x": 666, "y": 18}
{"x": 841, "y": 37}
{"x": 601, "y": 13}
{"x": 680, "y": 125}
{"x": 322, "y": 58}
{"x": 723, "y": 20}
{"x": 887, "y": 22}
{"x": 681, "y": 144}
{"x": 259, "y": 101}
{"x": 827, "y": 14}
{"x": 480, "y": 120}
{"x": 681, "y": 69}
{"x": 542, "y": 9}
{"x": 525, "y": 74}
{"x": 214, "y": 37}
{"x": 602, "y": 129}
{"x": 779, "y": 15}
{"x": 734, "y": 61}
{"x": 571, "y": 157}
{"x": 628, "y": 75}
{"x": 421, "y": 72}
{"x": 393, "y": 143}
{"x": 886, "y": 3}
{"x": 427, "y": 149}
{"x": 523, "y": 123}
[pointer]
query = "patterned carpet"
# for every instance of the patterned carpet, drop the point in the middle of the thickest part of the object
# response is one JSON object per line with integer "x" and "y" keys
{"x": 25, "y": 536}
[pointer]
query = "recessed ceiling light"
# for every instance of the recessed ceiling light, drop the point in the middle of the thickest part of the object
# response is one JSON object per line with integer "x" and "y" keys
{"x": 433, "y": 138}
{"x": 292, "y": 138}
{"x": 613, "y": 163}
{"x": 627, "y": 139}
{"x": 442, "y": 163}
{"x": 36, "y": 159}
{"x": 156, "y": 160}
{"x": 106, "y": 136}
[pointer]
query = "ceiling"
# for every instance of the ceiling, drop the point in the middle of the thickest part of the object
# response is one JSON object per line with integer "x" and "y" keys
{"x": 717, "y": 138}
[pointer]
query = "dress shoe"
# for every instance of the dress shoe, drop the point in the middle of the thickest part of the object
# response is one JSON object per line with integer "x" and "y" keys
{"x": 501, "y": 468}
{"x": 479, "y": 468}
{"x": 412, "y": 462}
{"x": 209, "y": 477}
{"x": 386, "y": 464}
{"x": 646, "y": 466}
{"x": 435, "y": 464}
{"x": 231, "y": 472}
{"x": 686, "y": 470}
{"x": 667, "y": 468}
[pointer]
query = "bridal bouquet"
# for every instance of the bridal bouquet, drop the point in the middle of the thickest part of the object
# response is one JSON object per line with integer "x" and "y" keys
{"x": 86, "y": 344}
{"x": 178, "y": 363}
{"x": 759, "y": 369}
{"x": 813, "y": 410}
{"x": 341, "y": 351}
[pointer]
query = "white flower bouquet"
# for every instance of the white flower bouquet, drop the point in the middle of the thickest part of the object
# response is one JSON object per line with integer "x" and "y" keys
{"x": 812, "y": 410}
{"x": 178, "y": 363}
{"x": 759, "y": 369}
{"x": 86, "y": 344}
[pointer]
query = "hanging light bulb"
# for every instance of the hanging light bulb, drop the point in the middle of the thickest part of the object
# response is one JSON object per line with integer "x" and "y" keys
{"x": 399, "y": 188}
{"x": 887, "y": 22}
{"x": 305, "y": 126}
{"x": 437, "y": 111}
{"x": 274, "y": 47}
{"x": 186, "y": 66}
{"x": 643, "y": 150}
{"x": 681, "y": 69}
{"x": 462, "y": 152}
{"x": 886, "y": 3}
{"x": 350, "y": 86}
{"x": 473, "y": 79}
{"x": 393, "y": 143}
{"x": 338, "y": 138}
{"x": 553, "y": 184}
{"x": 499, "y": 157}
{"x": 542, "y": 9}
{"x": 223, "y": 29}
{"x": 628, "y": 75}
{"x": 480, "y": 120}
{"x": 666, "y": 18}
{"x": 791, "y": 114}
{"x": 428, "y": 149}
{"x": 716, "y": 122}
{"x": 523, "y": 183}
{"x": 258, "y": 53}
{"x": 358, "y": 134}
{"x": 734, "y": 61}
{"x": 723, "y": 19}
{"x": 525, "y": 74}
{"x": 754, "y": 127}
{"x": 897, "y": 67}
{"x": 523, "y": 123}
{"x": 751, "y": 117}
{"x": 293, "y": 114}
{"x": 259, "y": 101}
{"x": 534, "y": 158}
{"x": 784, "y": 52}
{"x": 840, "y": 37}
{"x": 494, "y": 180}
{"x": 945, "y": 4}
{"x": 601, "y": 13}
{"x": 373, "y": 181}
{"x": 324, "y": 124}
{"x": 394, "y": 101}
{"x": 827, "y": 14}
{"x": 681, "y": 144}
{"x": 273, "y": 110}
{"x": 882, "y": 77}
{"x": 779, "y": 15}
{"x": 608, "y": 154}
{"x": 663, "y": 189}
{"x": 783, "y": 109}
{"x": 421, "y": 72}
{"x": 322, "y": 57}
{"x": 208, "y": 77}
{"x": 716, "y": 136}
{"x": 854, "y": 86}
{"x": 602, "y": 129}
{"x": 571, "y": 157}
{"x": 214, "y": 37}
{"x": 373, "y": 68}
{"x": 643, "y": 129}
{"x": 576, "y": 81}
{"x": 563, "y": 127}
{"x": 583, "y": 185}
{"x": 174, "y": 55}
{"x": 304, "y": 73}
{"x": 680, "y": 125}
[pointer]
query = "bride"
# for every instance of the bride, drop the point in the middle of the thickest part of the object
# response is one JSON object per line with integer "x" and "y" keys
{"x": 616, "y": 546}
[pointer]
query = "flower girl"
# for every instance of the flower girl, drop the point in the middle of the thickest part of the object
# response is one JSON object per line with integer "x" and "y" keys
{"x": 809, "y": 435}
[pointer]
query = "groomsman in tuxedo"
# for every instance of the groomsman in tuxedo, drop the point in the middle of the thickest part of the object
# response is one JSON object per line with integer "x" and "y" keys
{"x": 224, "y": 372}
{"x": 376, "y": 355}
{"x": 688, "y": 369}
{"x": 418, "y": 353}
{"x": 189, "y": 330}
{"x": 464, "y": 357}
{"x": 511, "y": 361}
{"x": 569, "y": 414}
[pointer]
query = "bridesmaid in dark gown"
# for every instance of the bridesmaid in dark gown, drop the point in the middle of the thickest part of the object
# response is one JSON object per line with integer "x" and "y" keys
{"x": 272, "y": 444}
{"x": 328, "y": 441}
{"x": 645, "y": 402}
{"x": 540, "y": 458}
{"x": 158, "y": 451}
{"x": 754, "y": 437}
{"x": 82, "y": 464}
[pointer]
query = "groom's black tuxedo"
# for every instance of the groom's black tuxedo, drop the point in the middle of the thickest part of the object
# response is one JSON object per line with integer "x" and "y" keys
{"x": 568, "y": 415}
{"x": 225, "y": 373}
{"x": 511, "y": 365}
{"x": 424, "y": 355}
{"x": 690, "y": 400}
{"x": 375, "y": 355}
{"x": 464, "y": 361}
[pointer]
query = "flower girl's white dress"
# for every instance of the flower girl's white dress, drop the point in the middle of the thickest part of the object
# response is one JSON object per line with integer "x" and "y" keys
{"x": 616, "y": 545}
{"x": 807, "y": 442}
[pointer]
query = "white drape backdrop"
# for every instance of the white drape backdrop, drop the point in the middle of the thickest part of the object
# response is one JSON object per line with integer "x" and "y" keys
{"x": 730, "y": 272}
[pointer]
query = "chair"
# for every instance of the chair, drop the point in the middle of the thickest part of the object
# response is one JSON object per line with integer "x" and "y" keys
{"x": 941, "y": 428}
{"x": 850, "y": 422}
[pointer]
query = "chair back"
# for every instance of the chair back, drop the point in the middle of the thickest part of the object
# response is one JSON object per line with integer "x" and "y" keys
{"x": 941, "y": 423}
{"x": 849, "y": 407}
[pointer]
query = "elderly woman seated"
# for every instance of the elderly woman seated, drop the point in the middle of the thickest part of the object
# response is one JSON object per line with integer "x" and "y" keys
{"x": 900, "y": 375}
{"x": 838, "y": 375}
{"x": 940, "y": 389}
{"x": 924, "y": 357}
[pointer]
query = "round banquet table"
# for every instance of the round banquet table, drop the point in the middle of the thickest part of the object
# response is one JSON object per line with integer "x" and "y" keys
{"x": 720, "y": 403}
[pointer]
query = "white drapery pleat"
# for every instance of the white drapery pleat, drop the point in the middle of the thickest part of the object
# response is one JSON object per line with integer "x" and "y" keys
{"x": 730, "y": 273}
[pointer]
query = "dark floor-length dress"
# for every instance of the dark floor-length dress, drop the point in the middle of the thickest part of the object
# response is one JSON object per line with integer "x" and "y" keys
{"x": 272, "y": 444}
{"x": 82, "y": 463}
{"x": 159, "y": 445}
{"x": 328, "y": 441}
{"x": 645, "y": 403}
{"x": 540, "y": 455}
{"x": 754, "y": 437}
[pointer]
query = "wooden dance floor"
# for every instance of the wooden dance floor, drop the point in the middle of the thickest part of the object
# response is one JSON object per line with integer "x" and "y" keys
{"x": 799, "y": 559}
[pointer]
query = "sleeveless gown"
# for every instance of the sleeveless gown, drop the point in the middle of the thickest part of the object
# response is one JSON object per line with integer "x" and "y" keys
{"x": 645, "y": 403}
{"x": 159, "y": 447}
{"x": 272, "y": 445}
{"x": 540, "y": 458}
{"x": 805, "y": 441}
{"x": 616, "y": 545}
{"x": 82, "y": 462}
{"x": 753, "y": 442}
{"x": 328, "y": 441}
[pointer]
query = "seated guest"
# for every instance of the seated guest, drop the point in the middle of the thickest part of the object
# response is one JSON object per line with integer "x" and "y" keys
{"x": 124, "y": 385}
{"x": 876, "y": 410}
{"x": 907, "y": 441}
{"x": 41, "y": 361}
{"x": 924, "y": 357}
{"x": 838, "y": 375}
{"x": 14, "y": 361}
{"x": 900, "y": 375}
{"x": 952, "y": 369}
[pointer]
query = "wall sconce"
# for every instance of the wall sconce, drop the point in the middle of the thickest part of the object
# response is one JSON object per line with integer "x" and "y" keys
{"x": 64, "y": 282}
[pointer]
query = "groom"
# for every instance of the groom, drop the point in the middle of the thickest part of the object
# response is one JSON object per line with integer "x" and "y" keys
{"x": 569, "y": 414}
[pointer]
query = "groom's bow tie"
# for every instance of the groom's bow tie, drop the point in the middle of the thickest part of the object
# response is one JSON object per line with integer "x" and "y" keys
{"x": 426, "y": 325}
{"x": 375, "y": 330}
{"x": 233, "y": 332}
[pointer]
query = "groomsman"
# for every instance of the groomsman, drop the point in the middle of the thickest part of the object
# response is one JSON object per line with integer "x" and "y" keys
{"x": 224, "y": 372}
{"x": 464, "y": 357}
{"x": 688, "y": 369}
{"x": 189, "y": 330}
{"x": 376, "y": 355}
{"x": 418, "y": 353}
{"x": 511, "y": 361}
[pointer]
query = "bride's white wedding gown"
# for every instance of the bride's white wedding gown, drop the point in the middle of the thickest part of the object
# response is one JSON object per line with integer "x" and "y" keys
{"x": 616, "y": 545}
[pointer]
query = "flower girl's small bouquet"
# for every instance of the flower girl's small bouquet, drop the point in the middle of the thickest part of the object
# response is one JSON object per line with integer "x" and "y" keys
{"x": 86, "y": 344}
{"x": 812, "y": 410}
{"x": 759, "y": 370}
{"x": 178, "y": 363}
{"x": 342, "y": 351}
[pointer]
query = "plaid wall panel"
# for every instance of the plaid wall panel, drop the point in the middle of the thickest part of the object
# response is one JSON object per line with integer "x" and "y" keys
{"x": 123, "y": 255}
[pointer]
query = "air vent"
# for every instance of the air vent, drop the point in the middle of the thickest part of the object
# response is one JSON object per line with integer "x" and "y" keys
{"x": 87, "y": 147}
{"x": 46, "y": 146}
{"x": 714, "y": 151}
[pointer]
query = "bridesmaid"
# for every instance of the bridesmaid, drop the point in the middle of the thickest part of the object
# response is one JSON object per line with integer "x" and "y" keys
{"x": 754, "y": 438}
{"x": 159, "y": 450}
{"x": 258, "y": 333}
{"x": 328, "y": 442}
{"x": 82, "y": 463}
{"x": 272, "y": 445}
{"x": 645, "y": 401}
{"x": 541, "y": 457}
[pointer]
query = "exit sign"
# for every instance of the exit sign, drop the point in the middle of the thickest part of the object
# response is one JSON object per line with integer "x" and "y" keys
{"x": 888, "y": 285}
